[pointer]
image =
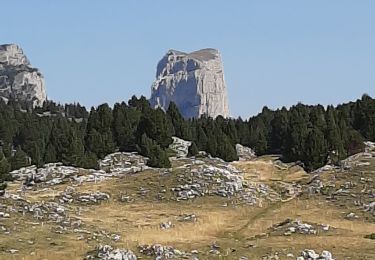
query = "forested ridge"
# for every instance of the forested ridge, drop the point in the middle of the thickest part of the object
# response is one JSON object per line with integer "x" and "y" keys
{"x": 312, "y": 135}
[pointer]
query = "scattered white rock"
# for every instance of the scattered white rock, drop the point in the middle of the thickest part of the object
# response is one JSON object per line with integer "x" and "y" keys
{"x": 165, "y": 252}
{"x": 351, "y": 215}
{"x": 245, "y": 153}
{"x": 166, "y": 225}
{"x": 180, "y": 147}
{"x": 106, "y": 252}
{"x": 13, "y": 251}
{"x": 309, "y": 254}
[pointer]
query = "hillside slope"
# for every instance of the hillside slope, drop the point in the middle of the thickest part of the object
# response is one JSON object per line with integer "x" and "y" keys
{"x": 206, "y": 208}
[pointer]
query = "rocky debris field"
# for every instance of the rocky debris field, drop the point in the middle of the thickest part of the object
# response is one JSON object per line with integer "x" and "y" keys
{"x": 113, "y": 165}
{"x": 310, "y": 254}
{"x": 290, "y": 227}
{"x": 106, "y": 252}
{"x": 70, "y": 196}
{"x": 158, "y": 251}
{"x": 123, "y": 163}
{"x": 350, "y": 187}
{"x": 307, "y": 254}
{"x": 201, "y": 208}
{"x": 199, "y": 178}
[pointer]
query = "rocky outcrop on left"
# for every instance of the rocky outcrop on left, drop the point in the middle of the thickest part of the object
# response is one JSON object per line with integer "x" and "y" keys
{"x": 18, "y": 79}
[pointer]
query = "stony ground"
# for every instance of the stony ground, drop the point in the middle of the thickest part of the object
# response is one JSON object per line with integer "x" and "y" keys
{"x": 200, "y": 209}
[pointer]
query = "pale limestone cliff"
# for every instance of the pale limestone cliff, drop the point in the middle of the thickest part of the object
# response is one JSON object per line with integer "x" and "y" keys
{"x": 194, "y": 81}
{"x": 18, "y": 79}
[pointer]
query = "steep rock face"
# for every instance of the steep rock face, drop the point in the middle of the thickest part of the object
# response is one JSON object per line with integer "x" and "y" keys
{"x": 18, "y": 79}
{"x": 194, "y": 81}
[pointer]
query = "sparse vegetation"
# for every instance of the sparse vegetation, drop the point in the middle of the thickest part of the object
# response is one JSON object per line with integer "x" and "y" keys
{"x": 370, "y": 236}
{"x": 239, "y": 230}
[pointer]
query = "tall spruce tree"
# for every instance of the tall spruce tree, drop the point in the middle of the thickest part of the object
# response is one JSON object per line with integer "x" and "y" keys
{"x": 99, "y": 138}
{"x": 334, "y": 141}
{"x": 4, "y": 168}
{"x": 279, "y": 131}
{"x": 193, "y": 150}
{"x": 20, "y": 159}
{"x": 316, "y": 149}
{"x": 181, "y": 128}
{"x": 125, "y": 123}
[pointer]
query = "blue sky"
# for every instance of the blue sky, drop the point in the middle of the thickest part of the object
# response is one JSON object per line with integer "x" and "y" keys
{"x": 275, "y": 53}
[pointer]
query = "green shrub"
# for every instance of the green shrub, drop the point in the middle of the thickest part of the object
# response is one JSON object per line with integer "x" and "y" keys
{"x": 370, "y": 236}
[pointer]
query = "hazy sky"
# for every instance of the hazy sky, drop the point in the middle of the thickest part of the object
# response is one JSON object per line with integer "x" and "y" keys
{"x": 275, "y": 53}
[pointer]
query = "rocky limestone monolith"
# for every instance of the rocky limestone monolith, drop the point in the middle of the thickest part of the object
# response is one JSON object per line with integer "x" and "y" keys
{"x": 18, "y": 79}
{"x": 193, "y": 81}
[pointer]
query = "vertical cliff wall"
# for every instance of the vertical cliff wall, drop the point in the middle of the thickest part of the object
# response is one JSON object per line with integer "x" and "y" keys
{"x": 194, "y": 81}
{"x": 18, "y": 79}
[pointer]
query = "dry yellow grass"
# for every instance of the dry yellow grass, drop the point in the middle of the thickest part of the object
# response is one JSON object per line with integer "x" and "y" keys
{"x": 243, "y": 228}
{"x": 231, "y": 227}
{"x": 264, "y": 170}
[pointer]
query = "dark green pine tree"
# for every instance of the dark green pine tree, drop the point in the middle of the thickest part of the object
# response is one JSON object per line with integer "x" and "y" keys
{"x": 355, "y": 142}
{"x": 225, "y": 149}
{"x": 201, "y": 139}
{"x": 66, "y": 143}
{"x": 99, "y": 138}
{"x": 242, "y": 131}
{"x": 33, "y": 137}
{"x": 258, "y": 133}
{"x": 334, "y": 140}
{"x": 344, "y": 130}
{"x": 231, "y": 131}
{"x": 212, "y": 144}
{"x": 193, "y": 150}
{"x": 75, "y": 150}
{"x": 50, "y": 155}
{"x": 125, "y": 123}
{"x": 3, "y": 186}
{"x": 364, "y": 121}
{"x": 157, "y": 157}
{"x": 178, "y": 122}
{"x": 279, "y": 131}
{"x": 156, "y": 126}
{"x": 315, "y": 153}
{"x": 140, "y": 104}
{"x": 145, "y": 145}
{"x": 20, "y": 159}
{"x": 4, "y": 168}
{"x": 89, "y": 161}
{"x": 261, "y": 141}
{"x": 298, "y": 132}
